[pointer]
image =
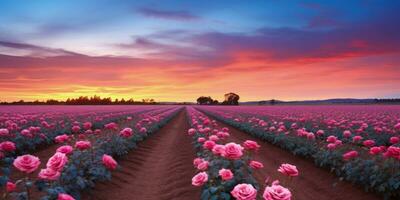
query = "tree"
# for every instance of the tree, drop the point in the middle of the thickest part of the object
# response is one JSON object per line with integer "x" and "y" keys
{"x": 231, "y": 99}
{"x": 205, "y": 100}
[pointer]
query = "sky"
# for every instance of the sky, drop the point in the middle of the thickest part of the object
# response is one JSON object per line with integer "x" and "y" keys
{"x": 180, "y": 50}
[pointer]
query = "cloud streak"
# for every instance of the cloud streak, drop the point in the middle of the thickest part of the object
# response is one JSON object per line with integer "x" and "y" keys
{"x": 178, "y": 15}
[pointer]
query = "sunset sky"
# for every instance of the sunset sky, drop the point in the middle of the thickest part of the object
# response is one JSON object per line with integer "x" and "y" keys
{"x": 180, "y": 50}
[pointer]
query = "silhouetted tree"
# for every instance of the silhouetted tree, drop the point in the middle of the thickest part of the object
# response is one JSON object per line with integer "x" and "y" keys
{"x": 205, "y": 100}
{"x": 231, "y": 99}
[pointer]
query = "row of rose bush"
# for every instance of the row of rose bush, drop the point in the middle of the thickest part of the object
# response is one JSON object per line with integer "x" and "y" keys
{"x": 225, "y": 168}
{"x": 377, "y": 168}
{"x": 85, "y": 158}
{"x": 26, "y": 137}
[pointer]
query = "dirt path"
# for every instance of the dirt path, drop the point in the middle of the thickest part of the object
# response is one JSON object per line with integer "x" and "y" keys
{"x": 313, "y": 183}
{"x": 160, "y": 168}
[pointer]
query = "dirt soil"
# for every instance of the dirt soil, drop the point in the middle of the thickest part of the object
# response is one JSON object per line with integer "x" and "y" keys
{"x": 159, "y": 169}
{"x": 313, "y": 183}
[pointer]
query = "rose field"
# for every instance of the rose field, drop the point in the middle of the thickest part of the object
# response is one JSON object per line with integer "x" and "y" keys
{"x": 200, "y": 152}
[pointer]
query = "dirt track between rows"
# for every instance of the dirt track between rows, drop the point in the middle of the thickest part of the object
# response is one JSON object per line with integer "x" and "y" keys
{"x": 159, "y": 169}
{"x": 313, "y": 183}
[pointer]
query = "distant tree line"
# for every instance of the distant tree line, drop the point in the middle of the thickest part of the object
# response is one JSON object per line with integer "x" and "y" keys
{"x": 84, "y": 100}
{"x": 394, "y": 100}
{"x": 230, "y": 99}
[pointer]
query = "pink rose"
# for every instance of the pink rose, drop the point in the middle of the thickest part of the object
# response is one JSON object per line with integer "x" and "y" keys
{"x": 346, "y": 133}
{"x": 357, "y": 138}
{"x": 331, "y": 146}
{"x": 126, "y": 132}
{"x": 369, "y": 143}
{"x": 49, "y": 174}
{"x": 109, "y": 162}
{"x": 87, "y": 125}
{"x": 4, "y": 132}
{"x": 62, "y": 196}
{"x": 203, "y": 166}
{"x": 191, "y": 131}
{"x": 76, "y": 129}
{"x": 201, "y": 139}
{"x": 197, "y": 161}
{"x": 276, "y": 192}
{"x": 349, "y": 155}
{"x": 288, "y": 170}
{"x": 394, "y": 140}
{"x": 218, "y": 149}
{"x": 57, "y": 162}
{"x": 375, "y": 150}
{"x": 61, "y": 138}
{"x": 82, "y": 145}
{"x": 10, "y": 187}
{"x": 26, "y": 163}
{"x": 143, "y": 130}
{"x": 66, "y": 149}
{"x": 251, "y": 145}
{"x": 244, "y": 192}
{"x": 225, "y": 174}
{"x": 393, "y": 152}
{"x": 199, "y": 179}
{"x": 209, "y": 144}
{"x": 7, "y": 146}
{"x": 320, "y": 132}
{"x": 256, "y": 165}
{"x": 331, "y": 139}
{"x": 232, "y": 151}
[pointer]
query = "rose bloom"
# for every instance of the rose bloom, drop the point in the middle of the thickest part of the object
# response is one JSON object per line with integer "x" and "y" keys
{"x": 251, "y": 145}
{"x": 369, "y": 143}
{"x": 349, "y": 155}
{"x": 4, "y": 132}
{"x": 191, "y": 131}
{"x": 82, "y": 145}
{"x": 49, "y": 174}
{"x": 225, "y": 174}
{"x": 203, "y": 166}
{"x": 276, "y": 192}
{"x": 126, "y": 132}
{"x": 87, "y": 125}
{"x": 233, "y": 151}
{"x": 10, "y": 187}
{"x": 256, "y": 165}
{"x": 331, "y": 139}
{"x": 346, "y": 133}
{"x": 76, "y": 129}
{"x": 143, "y": 130}
{"x": 7, "y": 146}
{"x": 61, "y": 138}
{"x": 66, "y": 149}
{"x": 197, "y": 161}
{"x": 26, "y": 163}
{"x": 213, "y": 138}
{"x": 393, "y": 152}
{"x": 244, "y": 192}
{"x": 375, "y": 150}
{"x": 218, "y": 149}
{"x": 320, "y": 132}
{"x": 331, "y": 146}
{"x": 62, "y": 196}
{"x": 57, "y": 162}
{"x": 209, "y": 144}
{"x": 201, "y": 139}
{"x": 394, "y": 140}
{"x": 288, "y": 170}
{"x": 109, "y": 162}
{"x": 357, "y": 138}
{"x": 199, "y": 179}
